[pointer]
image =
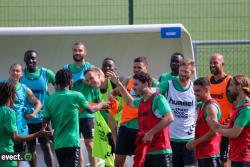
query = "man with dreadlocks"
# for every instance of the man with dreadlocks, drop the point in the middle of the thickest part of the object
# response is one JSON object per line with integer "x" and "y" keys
{"x": 61, "y": 108}
{"x": 8, "y": 128}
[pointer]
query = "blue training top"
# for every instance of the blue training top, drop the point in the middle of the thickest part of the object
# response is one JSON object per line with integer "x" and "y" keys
{"x": 40, "y": 89}
{"x": 78, "y": 76}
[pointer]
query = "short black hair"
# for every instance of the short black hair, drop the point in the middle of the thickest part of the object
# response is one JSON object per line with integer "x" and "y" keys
{"x": 7, "y": 92}
{"x": 63, "y": 78}
{"x": 143, "y": 78}
{"x": 202, "y": 81}
{"x": 108, "y": 58}
{"x": 28, "y": 53}
{"x": 78, "y": 43}
{"x": 177, "y": 54}
{"x": 141, "y": 60}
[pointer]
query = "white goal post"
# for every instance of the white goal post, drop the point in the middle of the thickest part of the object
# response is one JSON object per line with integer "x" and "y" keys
{"x": 121, "y": 42}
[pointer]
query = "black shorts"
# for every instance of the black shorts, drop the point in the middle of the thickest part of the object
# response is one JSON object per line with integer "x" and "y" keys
{"x": 182, "y": 156}
{"x": 86, "y": 126}
{"x": 125, "y": 144}
{"x": 209, "y": 162}
{"x": 158, "y": 160}
{"x": 240, "y": 164}
{"x": 33, "y": 128}
{"x": 20, "y": 147}
{"x": 68, "y": 156}
{"x": 224, "y": 149}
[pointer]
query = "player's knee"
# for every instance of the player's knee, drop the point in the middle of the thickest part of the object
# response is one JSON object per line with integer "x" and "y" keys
{"x": 45, "y": 147}
{"x": 88, "y": 145}
{"x": 119, "y": 161}
{"x": 118, "y": 164}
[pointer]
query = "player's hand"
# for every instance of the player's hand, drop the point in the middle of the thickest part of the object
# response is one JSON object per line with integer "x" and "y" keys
{"x": 29, "y": 116}
{"x": 104, "y": 105}
{"x": 45, "y": 133}
{"x": 113, "y": 77}
{"x": 191, "y": 145}
{"x": 47, "y": 130}
{"x": 147, "y": 137}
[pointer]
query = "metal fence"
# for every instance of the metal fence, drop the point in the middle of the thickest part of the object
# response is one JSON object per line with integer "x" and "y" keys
{"x": 205, "y": 20}
{"x": 236, "y": 55}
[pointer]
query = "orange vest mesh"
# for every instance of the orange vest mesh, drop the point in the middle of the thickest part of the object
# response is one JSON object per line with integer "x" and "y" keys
{"x": 219, "y": 93}
{"x": 128, "y": 113}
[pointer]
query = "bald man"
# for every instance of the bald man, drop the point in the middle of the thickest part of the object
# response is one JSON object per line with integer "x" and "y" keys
{"x": 219, "y": 90}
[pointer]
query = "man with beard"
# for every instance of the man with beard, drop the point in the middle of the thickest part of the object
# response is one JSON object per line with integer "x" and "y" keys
{"x": 238, "y": 131}
{"x": 80, "y": 64}
{"x": 174, "y": 65}
{"x": 86, "y": 120}
{"x": 180, "y": 95}
{"x": 206, "y": 141}
{"x": 154, "y": 117}
{"x": 37, "y": 79}
{"x": 125, "y": 144}
{"x": 219, "y": 91}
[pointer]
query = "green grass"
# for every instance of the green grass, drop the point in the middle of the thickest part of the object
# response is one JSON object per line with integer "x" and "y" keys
{"x": 205, "y": 19}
